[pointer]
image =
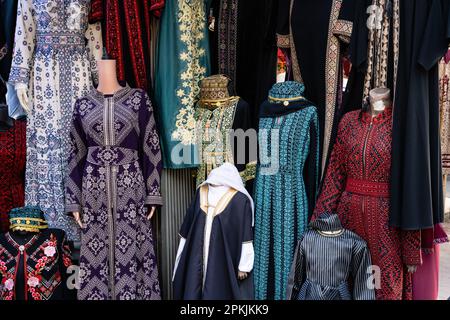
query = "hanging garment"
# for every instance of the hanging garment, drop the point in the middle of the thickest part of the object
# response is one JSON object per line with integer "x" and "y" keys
{"x": 217, "y": 126}
{"x": 416, "y": 199}
{"x": 243, "y": 47}
{"x": 327, "y": 259}
{"x": 444, "y": 102}
{"x": 12, "y": 170}
{"x": 34, "y": 260}
{"x": 285, "y": 186}
{"x": 114, "y": 174}
{"x": 317, "y": 32}
{"x": 52, "y": 59}
{"x": 356, "y": 187}
{"x": 128, "y": 27}
{"x": 183, "y": 60}
{"x": 216, "y": 241}
{"x": 8, "y": 11}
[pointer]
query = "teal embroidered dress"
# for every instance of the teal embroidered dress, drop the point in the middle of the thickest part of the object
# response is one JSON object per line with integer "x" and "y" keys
{"x": 286, "y": 183}
{"x": 182, "y": 61}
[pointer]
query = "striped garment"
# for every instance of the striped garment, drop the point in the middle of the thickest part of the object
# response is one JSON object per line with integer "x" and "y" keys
{"x": 326, "y": 264}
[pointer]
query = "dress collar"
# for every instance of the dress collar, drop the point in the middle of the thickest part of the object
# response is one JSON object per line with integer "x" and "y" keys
{"x": 366, "y": 117}
{"x": 116, "y": 95}
{"x": 326, "y": 222}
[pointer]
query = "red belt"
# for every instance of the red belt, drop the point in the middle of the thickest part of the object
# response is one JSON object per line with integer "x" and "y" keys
{"x": 368, "y": 188}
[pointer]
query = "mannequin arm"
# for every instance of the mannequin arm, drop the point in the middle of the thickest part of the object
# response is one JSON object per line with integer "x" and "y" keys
{"x": 77, "y": 217}
{"x": 22, "y": 95}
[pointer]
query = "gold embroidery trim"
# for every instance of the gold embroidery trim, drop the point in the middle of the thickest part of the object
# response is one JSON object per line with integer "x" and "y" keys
{"x": 331, "y": 77}
{"x": 221, "y": 205}
{"x": 249, "y": 173}
{"x": 283, "y": 41}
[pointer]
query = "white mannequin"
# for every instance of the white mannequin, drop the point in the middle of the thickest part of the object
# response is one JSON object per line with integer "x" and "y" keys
{"x": 22, "y": 95}
{"x": 380, "y": 98}
{"x": 108, "y": 84}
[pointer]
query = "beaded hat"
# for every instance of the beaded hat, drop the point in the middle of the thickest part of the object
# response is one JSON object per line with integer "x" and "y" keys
{"x": 286, "y": 91}
{"x": 214, "y": 88}
{"x": 30, "y": 219}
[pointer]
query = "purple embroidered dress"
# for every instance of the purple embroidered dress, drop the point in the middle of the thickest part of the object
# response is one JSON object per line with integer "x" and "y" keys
{"x": 115, "y": 167}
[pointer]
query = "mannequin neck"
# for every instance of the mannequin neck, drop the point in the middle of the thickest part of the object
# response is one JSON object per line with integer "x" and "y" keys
{"x": 107, "y": 77}
{"x": 380, "y": 99}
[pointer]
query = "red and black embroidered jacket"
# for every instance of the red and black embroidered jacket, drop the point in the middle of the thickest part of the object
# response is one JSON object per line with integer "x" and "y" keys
{"x": 34, "y": 267}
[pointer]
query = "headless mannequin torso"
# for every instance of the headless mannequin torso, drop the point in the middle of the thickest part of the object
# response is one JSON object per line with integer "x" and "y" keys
{"x": 380, "y": 99}
{"x": 108, "y": 85}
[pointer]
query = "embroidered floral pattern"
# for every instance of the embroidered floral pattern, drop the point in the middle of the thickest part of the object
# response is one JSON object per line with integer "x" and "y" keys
{"x": 50, "y": 50}
{"x": 192, "y": 25}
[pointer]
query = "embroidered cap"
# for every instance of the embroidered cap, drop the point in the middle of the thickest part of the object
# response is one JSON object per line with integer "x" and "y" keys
{"x": 214, "y": 87}
{"x": 29, "y": 219}
{"x": 286, "y": 91}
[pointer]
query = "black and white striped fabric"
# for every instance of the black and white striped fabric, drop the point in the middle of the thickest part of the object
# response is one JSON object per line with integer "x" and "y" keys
{"x": 327, "y": 259}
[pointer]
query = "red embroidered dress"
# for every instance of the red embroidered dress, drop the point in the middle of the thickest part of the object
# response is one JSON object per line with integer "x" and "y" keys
{"x": 356, "y": 187}
{"x": 12, "y": 170}
{"x": 129, "y": 31}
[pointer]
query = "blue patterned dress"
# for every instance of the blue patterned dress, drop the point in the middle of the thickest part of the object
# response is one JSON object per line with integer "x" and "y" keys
{"x": 286, "y": 184}
{"x": 52, "y": 60}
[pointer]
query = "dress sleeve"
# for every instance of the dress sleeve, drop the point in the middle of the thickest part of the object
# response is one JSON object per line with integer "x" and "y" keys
{"x": 361, "y": 263}
{"x": 94, "y": 47}
{"x": 283, "y": 23}
{"x": 297, "y": 275}
{"x": 335, "y": 177}
{"x": 151, "y": 158}
{"x": 25, "y": 42}
{"x": 77, "y": 160}
{"x": 311, "y": 169}
{"x": 344, "y": 24}
{"x": 247, "y": 253}
{"x": 435, "y": 38}
{"x": 411, "y": 247}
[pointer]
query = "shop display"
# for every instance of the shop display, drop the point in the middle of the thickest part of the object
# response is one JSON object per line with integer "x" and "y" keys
{"x": 357, "y": 188}
{"x": 12, "y": 168}
{"x": 34, "y": 259}
{"x": 317, "y": 33}
{"x": 286, "y": 184}
{"x": 51, "y": 68}
{"x": 327, "y": 259}
{"x": 215, "y": 255}
{"x": 114, "y": 174}
{"x": 182, "y": 62}
{"x": 218, "y": 116}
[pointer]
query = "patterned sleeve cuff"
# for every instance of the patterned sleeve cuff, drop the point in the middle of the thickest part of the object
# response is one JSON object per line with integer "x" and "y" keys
{"x": 70, "y": 208}
{"x": 343, "y": 29}
{"x": 153, "y": 201}
{"x": 283, "y": 41}
{"x": 19, "y": 75}
{"x": 413, "y": 259}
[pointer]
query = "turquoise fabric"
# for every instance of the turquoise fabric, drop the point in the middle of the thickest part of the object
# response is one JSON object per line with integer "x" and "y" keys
{"x": 286, "y": 90}
{"x": 282, "y": 205}
{"x": 182, "y": 62}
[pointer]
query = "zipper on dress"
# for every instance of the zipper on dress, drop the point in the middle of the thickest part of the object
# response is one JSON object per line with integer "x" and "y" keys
{"x": 366, "y": 141}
